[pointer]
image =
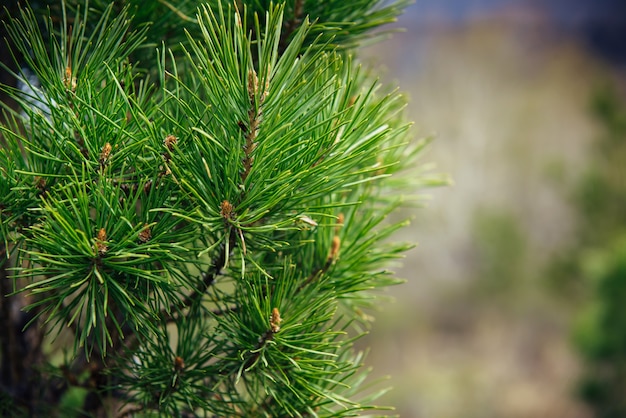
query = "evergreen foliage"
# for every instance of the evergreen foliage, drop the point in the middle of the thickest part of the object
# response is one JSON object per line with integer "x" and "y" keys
{"x": 196, "y": 230}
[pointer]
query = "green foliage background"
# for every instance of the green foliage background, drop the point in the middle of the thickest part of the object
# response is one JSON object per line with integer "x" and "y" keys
{"x": 599, "y": 261}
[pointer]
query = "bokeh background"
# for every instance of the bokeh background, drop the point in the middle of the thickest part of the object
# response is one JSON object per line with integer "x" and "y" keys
{"x": 521, "y": 97}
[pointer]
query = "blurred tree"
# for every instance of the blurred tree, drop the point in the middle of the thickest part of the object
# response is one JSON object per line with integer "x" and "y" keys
{"x": 597, "y": 262}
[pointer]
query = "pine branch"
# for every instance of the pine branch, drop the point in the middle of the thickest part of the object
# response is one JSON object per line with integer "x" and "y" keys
{"x": 256, "y": 96}
{"x": 267, "y": 337}
{"x": 333, "y": 254}
{"x": 259, "y": 132}
{"x": 218, "y": 264}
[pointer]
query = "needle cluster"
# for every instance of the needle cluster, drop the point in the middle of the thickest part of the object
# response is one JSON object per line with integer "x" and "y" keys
{"x": 199, "y": 230}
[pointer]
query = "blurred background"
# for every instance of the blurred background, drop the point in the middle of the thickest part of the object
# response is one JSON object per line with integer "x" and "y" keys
{"x": 515, "y": 296}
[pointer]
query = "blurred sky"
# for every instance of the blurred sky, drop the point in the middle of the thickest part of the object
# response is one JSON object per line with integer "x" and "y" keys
{"x": 600, "y": 24}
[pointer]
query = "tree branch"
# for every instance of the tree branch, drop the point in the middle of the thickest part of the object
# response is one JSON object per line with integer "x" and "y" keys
{"x": 268, "y": 336}
{"x": 208, "y": 278}
{"x": 291, "y": 25}
{"x": 332, "y": 257}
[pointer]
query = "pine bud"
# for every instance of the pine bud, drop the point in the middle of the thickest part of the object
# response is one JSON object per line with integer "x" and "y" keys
{"x": 104, "y": 154}
{"x": 334, "y": 248}
{"x": 179, "y": 364}
{"x": 170, "y": 141}
{"x": 101, "y": 245}
{"x": 275, "y": 321}
{"x": 145, "y": 234}
{"x": 253, "y": 85}
{"x": 68, "y": 81}
{"x": 226, "y": 209}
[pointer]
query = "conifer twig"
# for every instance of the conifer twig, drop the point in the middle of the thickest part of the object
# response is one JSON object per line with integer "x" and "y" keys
{"x": 208, "y": 278}
{"x": 267, "y": 336}
{"x": 332, "y": 257}
{"x": 255, "y": 113}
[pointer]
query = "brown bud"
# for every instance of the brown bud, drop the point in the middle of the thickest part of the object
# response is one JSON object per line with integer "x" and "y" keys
{"x": 179, "y": 364}
{"x": 145, "y": 234}
{"x": 334, "y": 248}
{"x": 170, "y": 141}
{"x": 226, "y": 209}
{"x": 104, "y": 154}
{"x": 275, "y": 320}
{"x": 253, "y": 85}
{"x": 101, "y": 238}
{"x": 68, "y": 80}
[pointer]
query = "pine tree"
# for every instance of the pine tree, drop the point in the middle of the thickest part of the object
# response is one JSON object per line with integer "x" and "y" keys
{"x": 194, "y": 207}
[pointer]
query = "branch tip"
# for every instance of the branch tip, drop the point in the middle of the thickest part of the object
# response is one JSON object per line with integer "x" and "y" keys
{"x": 334, "y": 248}
{"x": 105, "y": 154}
{"x": 179, "y": 364}
{"x": 145, "y": 234}
{"x": 275, "y": 321}
{"x": 101, "y": 245}
{"x": 226, "y": 210}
